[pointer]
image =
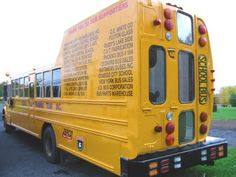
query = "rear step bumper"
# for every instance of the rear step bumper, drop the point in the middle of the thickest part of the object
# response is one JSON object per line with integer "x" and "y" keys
{"x": 160, "y": 163}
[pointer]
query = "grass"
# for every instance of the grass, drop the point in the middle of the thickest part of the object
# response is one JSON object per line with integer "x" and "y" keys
{"x": 225, "y": 113}
{"x": 225, "y": 167}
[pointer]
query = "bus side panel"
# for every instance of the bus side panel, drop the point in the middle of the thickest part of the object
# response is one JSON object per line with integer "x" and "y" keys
{"x": 100, "y": 87}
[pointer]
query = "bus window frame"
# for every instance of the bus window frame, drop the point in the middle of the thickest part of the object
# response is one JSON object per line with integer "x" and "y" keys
{"x": 40, "y": 86}
{"x": 17, "y": 83}
{"x": 21, "y": 87}
{"x": 13, "y": 88}
{"x": 33, "y": 87}
{"x": 194, "y": 79}
{"x": 52, "y": 94}
{"x": 193, "y": 30}
{"x": 50, "y": 84}
{"x": 26, "y": 77}
{"x": 165, "y": 74}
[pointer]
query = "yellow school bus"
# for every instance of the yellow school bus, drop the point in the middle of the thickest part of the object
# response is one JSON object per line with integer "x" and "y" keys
{"x": 131, "y": 91}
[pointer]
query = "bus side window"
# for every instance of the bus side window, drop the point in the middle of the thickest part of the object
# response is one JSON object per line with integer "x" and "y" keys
{"x": 17, "y": 87}
{"x": 21, "y": 87}
{"x": 31, "y": 90}
{"x": 13, "y": 88}
{"x": 26, "y": 88}
{"x": 39, "y": 84}
{"x": 47, "y": 84}
{"x": 9, "y": 92}
{"x": 56, "y": 83}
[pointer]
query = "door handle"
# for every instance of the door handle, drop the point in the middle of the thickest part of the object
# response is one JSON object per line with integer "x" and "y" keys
{"x": 174, "y": 107}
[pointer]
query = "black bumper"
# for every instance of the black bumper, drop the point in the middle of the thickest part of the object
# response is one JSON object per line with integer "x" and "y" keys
{"x": 160, "y": 163}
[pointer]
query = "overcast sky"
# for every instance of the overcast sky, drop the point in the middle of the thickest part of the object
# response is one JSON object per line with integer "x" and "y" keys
{"x": 31, "y": 32}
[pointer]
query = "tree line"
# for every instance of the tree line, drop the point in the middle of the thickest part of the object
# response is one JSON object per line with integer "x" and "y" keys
{"x": 226, "y": 96}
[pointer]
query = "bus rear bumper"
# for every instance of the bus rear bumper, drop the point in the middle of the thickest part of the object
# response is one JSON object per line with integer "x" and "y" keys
{"x": 160, "y": 163}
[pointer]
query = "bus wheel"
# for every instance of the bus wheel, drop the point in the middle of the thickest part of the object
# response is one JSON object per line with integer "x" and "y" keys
{"x": 51, "y": 151}
{"x": 8, "y": 128}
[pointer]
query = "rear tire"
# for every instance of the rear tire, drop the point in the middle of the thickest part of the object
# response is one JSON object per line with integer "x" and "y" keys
{"x": 8, "y": 128}
{"x": 51, "y": 152}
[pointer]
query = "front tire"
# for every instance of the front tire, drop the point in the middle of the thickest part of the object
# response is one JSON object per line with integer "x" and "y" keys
{"x": 51, "y": 152}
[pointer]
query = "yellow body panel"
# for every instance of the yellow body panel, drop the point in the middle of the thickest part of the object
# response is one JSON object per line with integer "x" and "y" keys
{"x": 104, "y": 88}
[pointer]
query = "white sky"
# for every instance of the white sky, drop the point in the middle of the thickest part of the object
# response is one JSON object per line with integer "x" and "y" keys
{"x": 31, "y": 32}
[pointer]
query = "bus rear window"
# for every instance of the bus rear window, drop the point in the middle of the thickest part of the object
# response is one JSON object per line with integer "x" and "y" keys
{"x": 157, "y": 75}
{"x": 185, "y": 28}
{"x": 186, "y": 77}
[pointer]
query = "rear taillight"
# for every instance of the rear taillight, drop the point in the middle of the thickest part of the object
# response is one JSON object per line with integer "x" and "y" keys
{"x": 168, "y": 13}
{"x": 164, "y": 164}
{"x": 203, "y": 129}
{"x": 169, "y": 24}
{"x": 202, "y": 41}
{"x": 203, "y": 116}
{"x": 170, "y": 139}
{"x": 170, "y": 127}
{"x": 202, "y": 29}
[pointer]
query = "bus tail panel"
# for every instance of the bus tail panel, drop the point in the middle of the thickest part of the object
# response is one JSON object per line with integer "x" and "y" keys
{"x": 159, "y": 163}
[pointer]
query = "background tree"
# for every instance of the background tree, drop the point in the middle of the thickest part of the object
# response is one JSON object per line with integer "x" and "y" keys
{"x": 223, "y": 97}
{"x": 1, "y": 89}
{"x": 232, "y": 99}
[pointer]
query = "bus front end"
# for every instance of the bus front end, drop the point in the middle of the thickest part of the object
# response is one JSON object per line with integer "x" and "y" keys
{"x": 177, "y": 91}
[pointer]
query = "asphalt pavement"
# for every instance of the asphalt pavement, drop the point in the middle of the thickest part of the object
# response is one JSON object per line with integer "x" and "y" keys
{"x": 21, "y": 155}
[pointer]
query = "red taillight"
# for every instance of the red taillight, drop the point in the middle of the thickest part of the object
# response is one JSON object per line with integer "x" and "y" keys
{"x": 157, "y": 22}
{"x": 202, "y": 29}
{"x": 202, "y": 41}
{"x": 170, "y": 139}
{"x": 169, "y": 24}
{"x": 170, "y": 127}
{"x": 203, "y": 116}
{"x": 165, "y": 162}
{"x": 168, "y": 13}
{"x": 203, "y": 129}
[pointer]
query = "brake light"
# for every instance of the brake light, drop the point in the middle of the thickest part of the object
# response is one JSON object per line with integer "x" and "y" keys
{"x": 170, "y": 139}
{"x": 202, "y": 41}
{"x": 170, "y": 127}
{"x": 203, "y": 129}
{"x": 213, "y": 153}
{"x": 168, "y": 13}
{"x": 203, "y": 116}
{"x": 169, "y": 24}
{"x": 202, "y": 29}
